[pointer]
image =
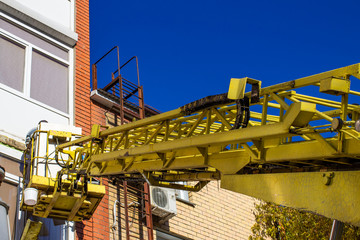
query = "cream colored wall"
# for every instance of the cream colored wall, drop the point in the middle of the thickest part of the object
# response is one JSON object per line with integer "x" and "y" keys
{"x": 218, "y": 214}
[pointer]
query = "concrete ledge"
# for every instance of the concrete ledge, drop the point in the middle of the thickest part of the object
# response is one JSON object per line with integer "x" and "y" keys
{"x": 39, "y": 22}
{"x": 12, "y": 143}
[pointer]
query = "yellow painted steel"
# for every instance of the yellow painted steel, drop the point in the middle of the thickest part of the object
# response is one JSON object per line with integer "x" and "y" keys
{"x": 214, "y": 138}
{"x": 31, "y": 230}
{"x": 60, "y": 134}
{"x": 237, "y": 87}
{"x": 67, "y": 195}
{"x": 333, "y": 194}
{"x": 335, "y": 86}
{"x": 58, "y": 200}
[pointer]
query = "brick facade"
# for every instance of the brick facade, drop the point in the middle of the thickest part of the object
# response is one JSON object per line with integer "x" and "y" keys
{"x": 82, "y": 67}
{"x": 137, "y": 229}
{"x": 217, "y": 213}
{"x": 86, "y": 114}
{"x": 214, "y": 214}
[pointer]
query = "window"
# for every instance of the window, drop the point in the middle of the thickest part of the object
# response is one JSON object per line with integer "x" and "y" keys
{"x": 49, "y": 81}
{"x": 12, "y": 63}
{"x": 36, "y": 74}
{"x": 167, "y": 236}
{"x": 9, "y": 193}
{"x": 54, "y": 229}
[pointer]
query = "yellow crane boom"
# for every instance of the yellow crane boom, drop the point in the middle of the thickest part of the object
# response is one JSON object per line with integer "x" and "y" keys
{"x": 273, "y": 143}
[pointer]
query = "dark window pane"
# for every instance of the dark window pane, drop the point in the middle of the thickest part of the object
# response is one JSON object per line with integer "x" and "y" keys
{"x": 49, "y": 81}
{"x": 12, "y": 64}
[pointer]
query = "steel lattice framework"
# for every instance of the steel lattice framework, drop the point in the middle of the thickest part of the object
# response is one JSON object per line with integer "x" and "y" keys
{"x": 298, "y": 150}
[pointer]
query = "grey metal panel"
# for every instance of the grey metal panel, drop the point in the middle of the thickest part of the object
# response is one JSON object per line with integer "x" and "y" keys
{"x": 49, "y": 82}
{"x": 12, "y": 63}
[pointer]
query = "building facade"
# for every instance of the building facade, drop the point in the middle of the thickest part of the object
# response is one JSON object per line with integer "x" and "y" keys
{"x": 212, "y": 213}
{"x": 39, "y": 41}
{"x": 45, "y": 75}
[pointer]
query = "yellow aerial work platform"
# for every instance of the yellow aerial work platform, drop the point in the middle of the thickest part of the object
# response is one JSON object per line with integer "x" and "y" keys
{"x": 57, "y": 201}
{"x": 292, "y": 148}
{"x": 65, "y": 195}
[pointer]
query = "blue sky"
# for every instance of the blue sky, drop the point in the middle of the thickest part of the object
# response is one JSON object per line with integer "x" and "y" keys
{"x": 190, "y": 49}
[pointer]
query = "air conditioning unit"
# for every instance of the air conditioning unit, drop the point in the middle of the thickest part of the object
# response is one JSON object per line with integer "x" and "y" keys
{"x": 163, "y": 202}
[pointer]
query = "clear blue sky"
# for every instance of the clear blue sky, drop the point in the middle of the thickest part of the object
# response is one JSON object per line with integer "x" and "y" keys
{"x": 191, "y": 49}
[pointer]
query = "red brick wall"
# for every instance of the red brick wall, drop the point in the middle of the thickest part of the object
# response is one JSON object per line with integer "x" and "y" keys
{"x": 82, "y": 67}
{"x": 100, "y": 219}
{"x": 98, "y": 114}
{"x": 86, "y": 114}
{"x": 97, "y": 228}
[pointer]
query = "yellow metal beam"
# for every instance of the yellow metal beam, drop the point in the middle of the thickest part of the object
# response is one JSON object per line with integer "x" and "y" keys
{"x": 31, "y": 230}
{"x": 201, "y": 176}
{"x": 175, "y": 146}
{"x": 59, "y": 204}
{"x": 298, "y": 112}
{"x": 311, "y": 80}
{"x": 281, "y": 101}
{"x": 191, "y": 188}
{"x": 335, "y": 195}
{"x": 231, "y": 161}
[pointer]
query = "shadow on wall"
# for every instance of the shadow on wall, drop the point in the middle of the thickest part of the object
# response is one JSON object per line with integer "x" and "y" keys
{"x": 80, "y": 230}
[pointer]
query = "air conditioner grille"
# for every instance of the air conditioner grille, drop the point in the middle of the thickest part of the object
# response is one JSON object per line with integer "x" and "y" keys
{"x": 160, "y": 197}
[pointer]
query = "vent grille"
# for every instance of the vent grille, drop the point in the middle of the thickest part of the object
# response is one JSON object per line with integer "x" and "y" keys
{"x": 160, "y": 197}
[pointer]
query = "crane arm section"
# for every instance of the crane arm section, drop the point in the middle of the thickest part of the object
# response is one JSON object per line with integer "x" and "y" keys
{"x": 294, "y": 143}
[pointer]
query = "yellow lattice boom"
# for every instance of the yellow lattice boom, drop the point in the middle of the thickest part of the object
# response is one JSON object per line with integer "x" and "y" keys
{"x": 295, "y": 143}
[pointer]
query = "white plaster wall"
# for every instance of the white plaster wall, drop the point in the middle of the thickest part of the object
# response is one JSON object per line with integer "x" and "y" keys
{"x": 19, "y": 115}
{"x": 59, "y": 11}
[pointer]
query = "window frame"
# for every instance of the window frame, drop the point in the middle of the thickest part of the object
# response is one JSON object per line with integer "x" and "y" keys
{"x": 29, "y": 48}
{"x": 53, "y": 59}
{"x": 20, "y": 45}
{"x": 168, "y": 235}
{"x": 11, "y": 38}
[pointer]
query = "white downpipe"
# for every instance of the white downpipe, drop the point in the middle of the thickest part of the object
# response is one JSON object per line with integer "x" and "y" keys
{"x": 113, "y": 227}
